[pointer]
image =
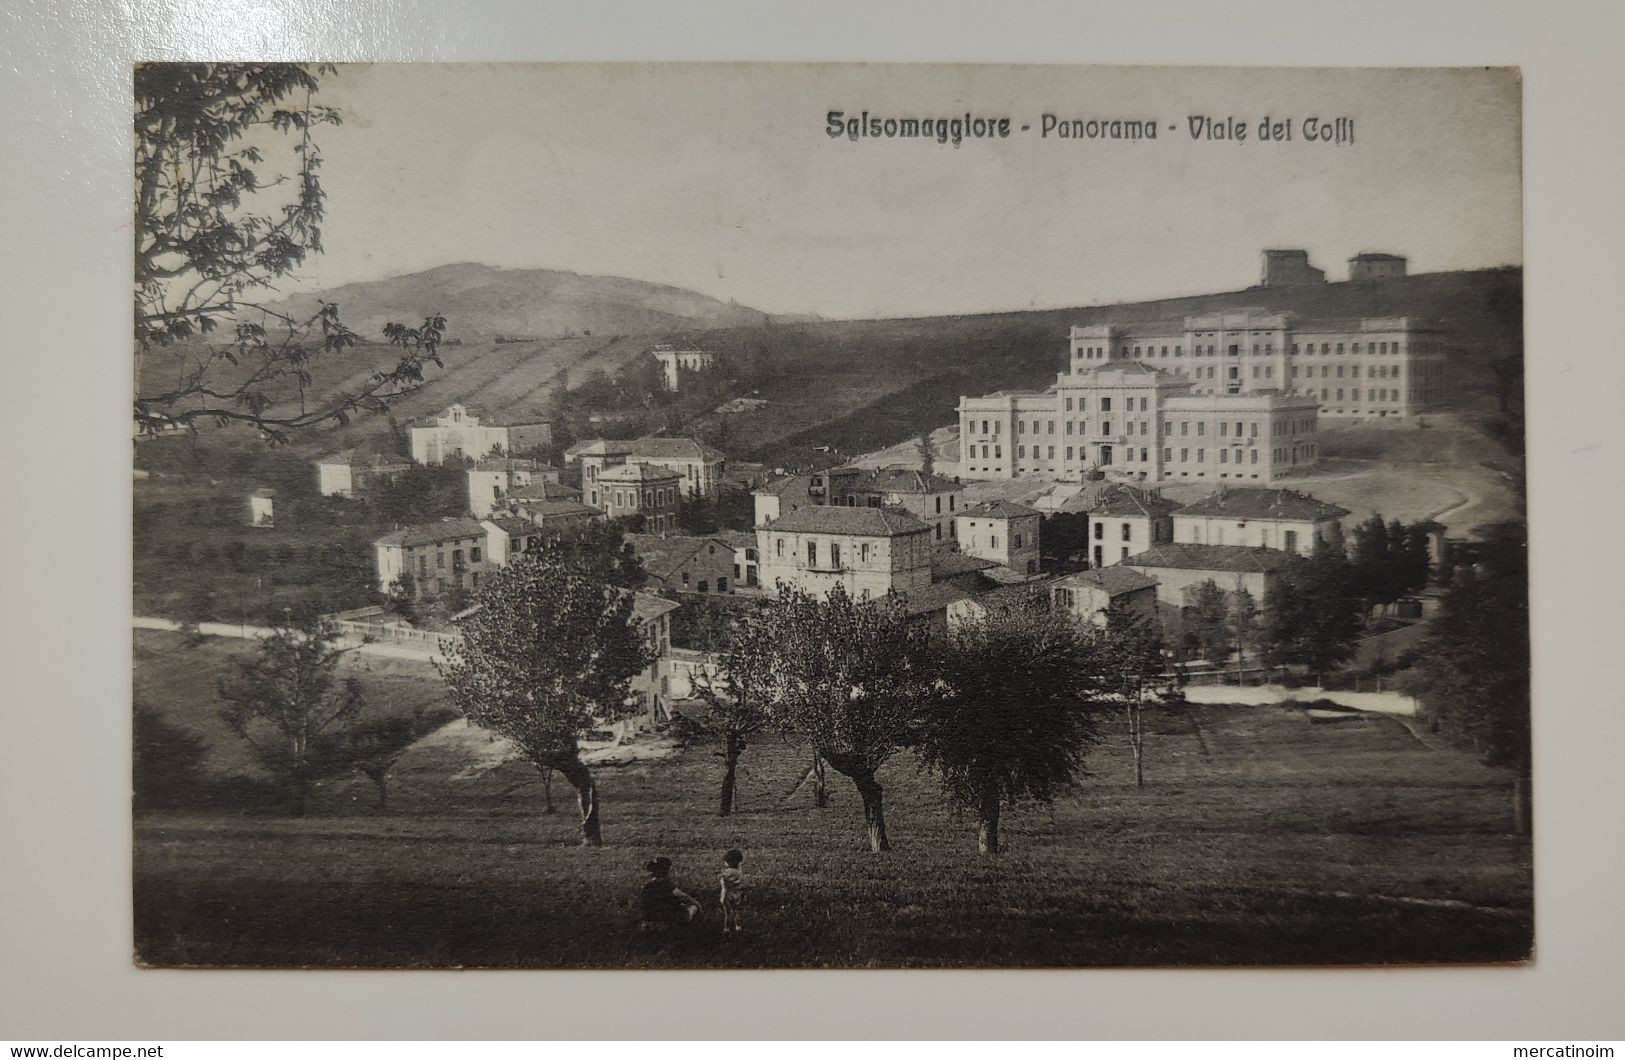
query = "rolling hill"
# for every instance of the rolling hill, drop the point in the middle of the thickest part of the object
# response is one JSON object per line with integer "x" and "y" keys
{"x": 852, "y": 384}
{"x": 485, "y": 302}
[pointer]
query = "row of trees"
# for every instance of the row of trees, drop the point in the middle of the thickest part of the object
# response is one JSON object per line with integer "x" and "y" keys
{"x": 1003, "y": 709}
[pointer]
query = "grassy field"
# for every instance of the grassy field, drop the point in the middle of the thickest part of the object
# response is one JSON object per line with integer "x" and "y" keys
{"x": 1261, "y": 837}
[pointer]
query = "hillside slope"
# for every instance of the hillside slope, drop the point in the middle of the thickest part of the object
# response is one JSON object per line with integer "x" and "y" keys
{"x": 856, "y": 385}
{"x": 482, "y": 301}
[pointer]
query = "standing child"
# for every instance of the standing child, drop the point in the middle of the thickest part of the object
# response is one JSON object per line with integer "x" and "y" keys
{"x": 733, "y": 889}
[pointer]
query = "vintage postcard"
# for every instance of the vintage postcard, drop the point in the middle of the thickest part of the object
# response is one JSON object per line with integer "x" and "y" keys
{"x": 793, "y": 515}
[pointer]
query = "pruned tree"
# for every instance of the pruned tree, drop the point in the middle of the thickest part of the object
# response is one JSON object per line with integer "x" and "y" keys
{"x": 228, "y": 201}
{"x": 849, "y": 679}
{"x": 287, "y": 702}
{"x": 1019, "y": 697}
{"x": 735, "y": 695}
{"x": 548, "y": 656}
{"x": 1133, "y": 651}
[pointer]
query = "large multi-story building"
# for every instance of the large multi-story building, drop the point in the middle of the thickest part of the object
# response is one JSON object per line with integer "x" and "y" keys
{"x": 868, "y": 551}
{"x": 457, "y": 433}
{"x": 1371, "y": 367}
{"x": 699, "y": 467}
{"x": 1135, "y": 422}
{"x": 641, "y": 489}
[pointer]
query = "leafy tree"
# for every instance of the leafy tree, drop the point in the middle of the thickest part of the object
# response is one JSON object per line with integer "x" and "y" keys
{"x": 1205, "y": 622}
{"x": 168, "y": 760}
{"x": 1312, "y": 614}
{"x": 286, "y": 701}
{"x": 214, "y": 232}
{"x": 927, "y": 451}
{"x": 196, "y": 608}
{"x": 735, "y": 696}
{"x": 549, "y": 655}
{"x": 1473, "y": 677}
{"x": 373, "y": 745}
{"x": 847, "y": 678}
{"x": 1018, "y": 700}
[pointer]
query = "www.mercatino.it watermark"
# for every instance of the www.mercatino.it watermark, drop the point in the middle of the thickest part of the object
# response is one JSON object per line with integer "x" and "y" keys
{"x": 1562, "y": 1050}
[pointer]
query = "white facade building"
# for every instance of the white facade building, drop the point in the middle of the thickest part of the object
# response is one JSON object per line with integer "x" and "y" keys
{"x": 1370, "y": 367}
{"x": 1137, "y": 423}
{"x": 674, "y": 362}
{"x": 1262, "y": 518}
{"x": 457, "y": 433}
{"x": 868, "y": 551}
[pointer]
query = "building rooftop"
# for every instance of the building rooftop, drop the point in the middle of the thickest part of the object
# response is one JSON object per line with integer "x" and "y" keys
{"x": 1240, "y": 559}
{"x": 367, "y": 456}
{"x": 906, "y": 480}
{"x": 508, "y": 463}
{"x": 1252, "y": 502}
{"x": 934, "y": 597}
{"x": 1373, "y": 255}
{"x": 432, "y": 533}
{"x": 953, "y": 564}
{"x": 780, "y": 486}
{"x": 663, "y": 555}
{"x": 555, "y": 509}
{"x": 859, "y": 522}
{"x": 646, "y": 607}
{"x": 512, "y": 524}
{"x": 544, "y": 491}
{"x": 651, "y": 447}
{"x": 999, "y": 509}
{"x": 1114, "y": 580}
{"x": 637, "y": 471}
{"x": 1120, "y": 501}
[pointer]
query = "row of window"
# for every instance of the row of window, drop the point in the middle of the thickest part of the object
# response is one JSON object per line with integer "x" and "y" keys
{"x": 1267, "y": 349}
{"x": 663, "y": 497}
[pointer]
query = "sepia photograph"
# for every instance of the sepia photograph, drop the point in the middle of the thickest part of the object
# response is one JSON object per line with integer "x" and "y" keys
{"x": 790, "y": 515}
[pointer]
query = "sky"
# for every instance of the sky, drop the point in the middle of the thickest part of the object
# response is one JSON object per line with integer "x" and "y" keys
{"x": 721, "y": 178}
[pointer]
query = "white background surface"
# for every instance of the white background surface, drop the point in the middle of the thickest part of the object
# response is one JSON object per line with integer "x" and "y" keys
{"x": 64, "y": 585}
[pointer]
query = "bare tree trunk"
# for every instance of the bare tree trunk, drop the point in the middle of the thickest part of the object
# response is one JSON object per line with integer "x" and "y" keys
{"x": 1521, "y": 803}
{"x": 1137, "y": 740}
{"x": 380, "y": 780}
{"x": 731, "y": 749}
{"x": 820, "y": 783}
{"x": 580, "y": 777}
{"x": 987, "y": 822}
{"x": 874, "y": 816}
{"x": 547, "y": 790}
